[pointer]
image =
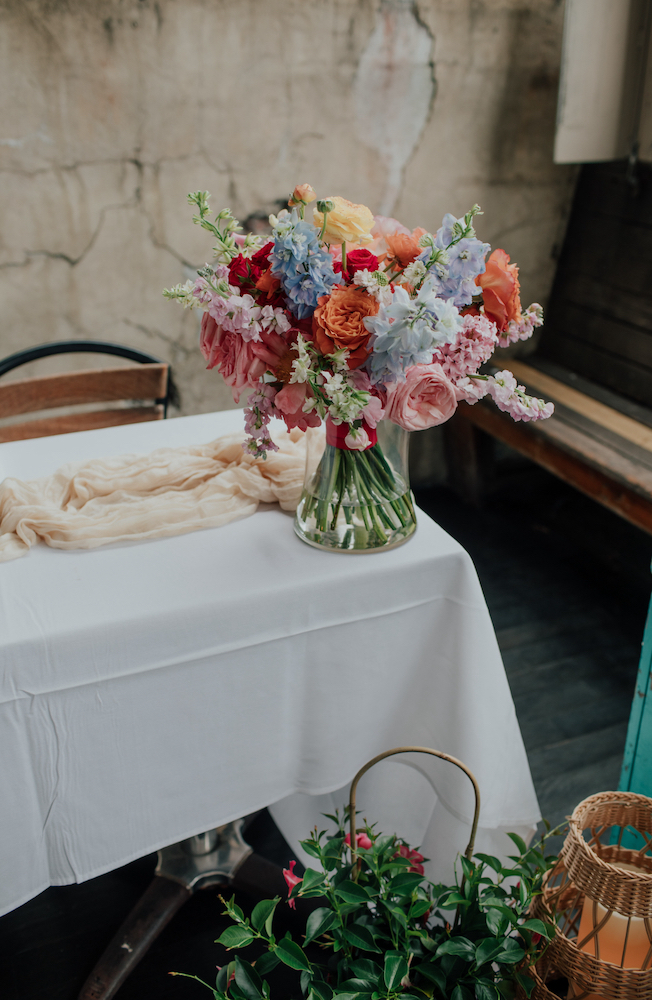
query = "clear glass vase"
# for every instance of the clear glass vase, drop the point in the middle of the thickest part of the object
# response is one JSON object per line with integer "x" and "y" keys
{"x": 356, "y": 501}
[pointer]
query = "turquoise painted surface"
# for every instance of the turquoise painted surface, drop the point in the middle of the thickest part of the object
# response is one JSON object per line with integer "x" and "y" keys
{"x": 636, "y": 775}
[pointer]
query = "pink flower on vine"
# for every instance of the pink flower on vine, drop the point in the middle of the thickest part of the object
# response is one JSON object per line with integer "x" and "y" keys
{"x": 361, "y": 840}
{"x": 291, "y": 880}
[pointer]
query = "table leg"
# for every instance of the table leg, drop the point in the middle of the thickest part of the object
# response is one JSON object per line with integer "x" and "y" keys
{"x": 212, "y": 858}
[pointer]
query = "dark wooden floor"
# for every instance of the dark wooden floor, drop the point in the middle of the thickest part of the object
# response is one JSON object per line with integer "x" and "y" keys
{"x": 567, "y": 585}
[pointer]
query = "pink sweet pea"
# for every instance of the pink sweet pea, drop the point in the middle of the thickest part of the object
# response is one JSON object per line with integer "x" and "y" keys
{"x": 234, "y": 357}
{"x": 291, "y": 880}
{"x": 361, "y": 840}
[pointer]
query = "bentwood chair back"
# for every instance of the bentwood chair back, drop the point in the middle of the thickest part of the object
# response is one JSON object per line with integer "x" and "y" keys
{"x": 145, "y": 387}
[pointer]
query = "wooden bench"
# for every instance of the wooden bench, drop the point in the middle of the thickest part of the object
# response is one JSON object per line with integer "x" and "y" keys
{"x": 594, "y": 359}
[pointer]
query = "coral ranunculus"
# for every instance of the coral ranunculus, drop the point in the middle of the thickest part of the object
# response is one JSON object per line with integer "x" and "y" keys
{"x": 425, "y": 399}
{"x": 338, "y": 322}
{"x": 403, "y": 248}
{"x": 347, "y": 223}
{"x": 500, "y": 290}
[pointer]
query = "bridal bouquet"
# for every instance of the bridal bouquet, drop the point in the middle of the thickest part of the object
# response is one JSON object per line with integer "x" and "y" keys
{"x": 352, "y": 318}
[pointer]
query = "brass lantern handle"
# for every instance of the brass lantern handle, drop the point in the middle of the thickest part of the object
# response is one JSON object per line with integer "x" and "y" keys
{"x": 434, "y": 753}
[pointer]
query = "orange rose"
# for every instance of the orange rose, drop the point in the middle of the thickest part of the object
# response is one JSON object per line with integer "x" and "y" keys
{"x": 403, "y": 248}
{"x": 500, "y": 290}
{"x": 338, "y": 322}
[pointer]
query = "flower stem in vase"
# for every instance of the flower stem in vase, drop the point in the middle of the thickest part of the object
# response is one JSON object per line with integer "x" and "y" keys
{"x": 358, "y": 500}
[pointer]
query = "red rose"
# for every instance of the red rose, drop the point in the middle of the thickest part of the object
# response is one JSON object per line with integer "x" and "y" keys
{"x": 244, "y": 272}
{"x": 261, "y": 257}
{"x": 357, "y": 260}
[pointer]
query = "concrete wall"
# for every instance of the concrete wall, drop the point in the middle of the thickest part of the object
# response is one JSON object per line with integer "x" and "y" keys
{"x": 112, "y": 110}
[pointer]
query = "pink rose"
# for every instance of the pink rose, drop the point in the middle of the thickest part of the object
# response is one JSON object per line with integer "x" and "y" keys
{"x": 289, "y": 402}
{"x": 231, "y": 355}
{"x": 426, "y": 398}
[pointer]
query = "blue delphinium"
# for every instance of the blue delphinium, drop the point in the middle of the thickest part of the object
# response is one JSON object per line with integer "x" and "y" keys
{"x": 460, "y": 260}
{"x": 407, "y": 331}
{"x": 304, "y": 269}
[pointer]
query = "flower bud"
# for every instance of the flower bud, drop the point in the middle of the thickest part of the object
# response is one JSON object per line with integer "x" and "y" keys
{"x": 303, "y": 194}
{"x": 326, "y": 205}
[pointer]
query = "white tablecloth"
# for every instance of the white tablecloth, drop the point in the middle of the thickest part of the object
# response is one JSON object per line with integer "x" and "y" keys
{"x": 152, "y": 691}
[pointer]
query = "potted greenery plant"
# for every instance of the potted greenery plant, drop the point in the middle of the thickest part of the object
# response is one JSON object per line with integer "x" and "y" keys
{"x": 385, "y": 932}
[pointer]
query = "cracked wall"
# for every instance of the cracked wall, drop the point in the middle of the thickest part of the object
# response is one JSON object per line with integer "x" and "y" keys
{"x": 112, "y": 110}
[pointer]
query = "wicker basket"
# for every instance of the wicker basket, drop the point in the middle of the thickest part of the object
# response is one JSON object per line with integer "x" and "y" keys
{"x": 588, "y": 869}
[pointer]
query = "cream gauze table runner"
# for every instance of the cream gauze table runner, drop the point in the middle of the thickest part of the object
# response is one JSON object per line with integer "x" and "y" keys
{"x": 169, "y": 492}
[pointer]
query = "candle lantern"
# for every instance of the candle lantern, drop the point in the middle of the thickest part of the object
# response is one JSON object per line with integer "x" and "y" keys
{"x": 599, "y": 895}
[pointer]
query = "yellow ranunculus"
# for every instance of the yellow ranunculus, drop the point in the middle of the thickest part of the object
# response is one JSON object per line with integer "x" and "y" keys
{"x": 347, "y": 223}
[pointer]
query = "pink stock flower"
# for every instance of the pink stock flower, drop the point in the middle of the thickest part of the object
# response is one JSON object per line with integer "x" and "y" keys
{"x": 234, "y": 357}
{"x": 291, "y": 880}
{"x": 512, "y": 398}
{"x": 289, "y": 402}
{"x": 425, "y": 399}
{"x": 471, "y": 346}
{"x": 361, "y": 840}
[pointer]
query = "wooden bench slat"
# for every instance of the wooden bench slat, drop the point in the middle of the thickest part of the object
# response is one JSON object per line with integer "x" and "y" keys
{"x": 147, "y": 381}
{"x": 579, "y": 460}
{"x": 80, "y": 422}
{"x": 593, "y": 410}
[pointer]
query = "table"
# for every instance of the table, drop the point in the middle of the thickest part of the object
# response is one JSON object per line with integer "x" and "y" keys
{"x": 151, "y": 691}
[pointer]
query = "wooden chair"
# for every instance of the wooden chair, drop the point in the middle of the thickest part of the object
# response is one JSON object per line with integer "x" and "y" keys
{"x": 147, "y": 385}
{"x": 594, "y": 359}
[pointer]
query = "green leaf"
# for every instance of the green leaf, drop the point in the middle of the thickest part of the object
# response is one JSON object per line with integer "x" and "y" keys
{"x": 223, "y": 976}
{"x": 461, "y": 993}
{"x": 351, "y": 996}
{"x": 235, "y": 937}
{"x": 312, "y": 849}
{"x": 511, "y": 954}
{"x": 396, "y": 968}
{"x": 490, "y": 860}
{"x": 467, "y": 867}
{"x": 291, "y": 954}
{"x": 266, "y": 963}
{"x": 485, "y": 992}
{"x": 459, "y": 946}
{"x": 351, "y": 892}
{"x": 320, "y": 990}
{"x": 312, "y": 879}
{"x": 365, "y": 968}
{"x": 496, "y": 922}
{"x": 262, "y": 911}
{"x": 433, "y": 973}
{"x": 360, "y": 937}
{"x": 248, "y": 980}
{"x": 358, "y": 986}
{"x": 419, "y": 907}
{"x": 319, "y": 922}
{"x": 537, "y": 927}
{"x": 454, "y": 899}
{"x": 526, "y": 982}
{"x": 305, "y": 980}
{"x": 487, "y": 949}
{"x": 520, "y": 843}
{"x": 405, "y": 883}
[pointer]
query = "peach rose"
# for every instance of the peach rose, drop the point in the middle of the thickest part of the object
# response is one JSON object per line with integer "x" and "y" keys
{"x": 338, "y": 321}
{"x": 426, "y": 398}
{"x": 500, "y": 290}
{"x": 346, "y": 223}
